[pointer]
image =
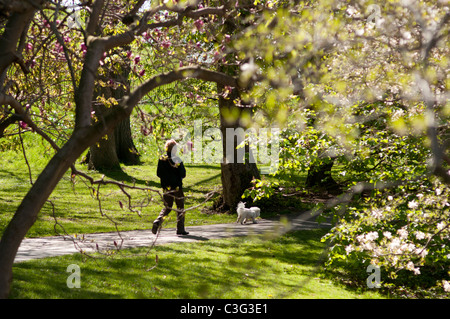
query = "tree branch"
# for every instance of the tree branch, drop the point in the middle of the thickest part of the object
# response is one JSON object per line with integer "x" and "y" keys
{"x": 11, "y": 36}
{"x": 22, "y": 114}
{"x": 94, "y": 17}
{"x": 180, "y": 74}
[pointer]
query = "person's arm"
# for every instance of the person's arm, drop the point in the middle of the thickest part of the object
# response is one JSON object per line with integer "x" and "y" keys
{"x": 182, "y": 170}
{"x": 158, "y": 170}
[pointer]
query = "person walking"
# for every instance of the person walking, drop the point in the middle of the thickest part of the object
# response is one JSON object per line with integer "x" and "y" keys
{"x": 171, "y": 172}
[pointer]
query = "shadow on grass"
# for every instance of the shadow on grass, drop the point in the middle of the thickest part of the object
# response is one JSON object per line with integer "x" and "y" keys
{"x": 121, "y": 176}
{"x": 290, "y": 266}
{"x": 233, "y": 268}
{"x": 196, "y": 187}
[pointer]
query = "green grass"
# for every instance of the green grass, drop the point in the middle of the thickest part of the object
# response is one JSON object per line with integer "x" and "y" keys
{"x": 253, "y": 268}
{"x": 287, "y": 267}
{"x": 74, "y": 207}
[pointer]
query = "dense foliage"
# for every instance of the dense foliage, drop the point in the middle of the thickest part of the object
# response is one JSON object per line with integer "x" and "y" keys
{"x": 365, "y": 87}
{"x": 350, "y": 83}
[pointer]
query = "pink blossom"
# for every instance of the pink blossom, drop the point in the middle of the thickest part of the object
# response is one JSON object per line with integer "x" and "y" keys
{"x": 166, "y": 44}
{"x": 29, "y": 46}
{"x": 137, "y": 59}
{"x": 145, "y": 131}
{"x": 59, "y": 48}
{"x": 83, "y": 47}
{"x": 23, "y": 124}
{"x": 146, "y": 35}
{"x": 142, "y": 72}
{"x": 199, "y": 24}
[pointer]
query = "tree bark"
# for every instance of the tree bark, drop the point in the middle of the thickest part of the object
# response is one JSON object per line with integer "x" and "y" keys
{"x": 319, "y": 176}
{"x": 118, "y": 147}
{"x": 114, "y": 149}
{"x": 127, "y": 152}
{"x": 236, "y": 172}
{"x": 103, "y": 155}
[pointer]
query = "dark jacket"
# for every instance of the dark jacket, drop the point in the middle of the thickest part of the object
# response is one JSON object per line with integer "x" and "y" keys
{"x": 171, "y": 172}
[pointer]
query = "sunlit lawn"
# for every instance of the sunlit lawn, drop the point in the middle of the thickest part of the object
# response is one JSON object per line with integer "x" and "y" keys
{"x": 287, "y": 267}
{"x": 74, "y": 207}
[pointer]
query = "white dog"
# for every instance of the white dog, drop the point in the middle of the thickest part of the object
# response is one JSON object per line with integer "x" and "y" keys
{"x": 246, "y": 213}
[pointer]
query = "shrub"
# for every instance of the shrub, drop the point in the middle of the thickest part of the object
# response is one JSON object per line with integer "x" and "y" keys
{"x": 406, "y": 234}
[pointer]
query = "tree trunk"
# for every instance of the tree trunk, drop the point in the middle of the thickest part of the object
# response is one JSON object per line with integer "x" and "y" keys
{"x": 125, "y": 149}
{"x": 118, "y": 147}
{"x": 114, "y": 149}
{"x": 103, "y": 155}
{"x": 237, "y": 169}
{"x": 236, "y": 178}
{"x": 319, "y": 176}
{"x": 237, "y": 173}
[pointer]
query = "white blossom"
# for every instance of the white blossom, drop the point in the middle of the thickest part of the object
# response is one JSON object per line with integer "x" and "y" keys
{"x": 422, "y": 252}
{"x": 420, "y": 235}
{"x": 349, "y": 249}
{"x": 360, "y": 238}
{"x": 413, "y": 204}
{"x": 403, "y": 233}
{"x": 446, "y": 285}
{"x": 377, "y": 213}
{"x": 394, "y": 245}
{"x": 410, "y": 266}
{"x": 372, "y": 236}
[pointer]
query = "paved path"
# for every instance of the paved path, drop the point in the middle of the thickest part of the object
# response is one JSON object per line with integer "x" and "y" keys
{"x": 34, "y": 248}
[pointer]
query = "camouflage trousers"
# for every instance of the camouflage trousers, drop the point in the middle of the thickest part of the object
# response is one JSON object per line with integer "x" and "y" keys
{"x": 169, "y": 197}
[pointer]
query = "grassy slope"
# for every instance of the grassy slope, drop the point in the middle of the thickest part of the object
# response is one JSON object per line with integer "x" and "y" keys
{"x": 287, "y": 267}
{"x": 234, "y": 268}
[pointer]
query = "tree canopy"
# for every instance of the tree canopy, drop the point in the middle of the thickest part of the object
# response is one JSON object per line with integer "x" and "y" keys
{"x": 363, "y": 85}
